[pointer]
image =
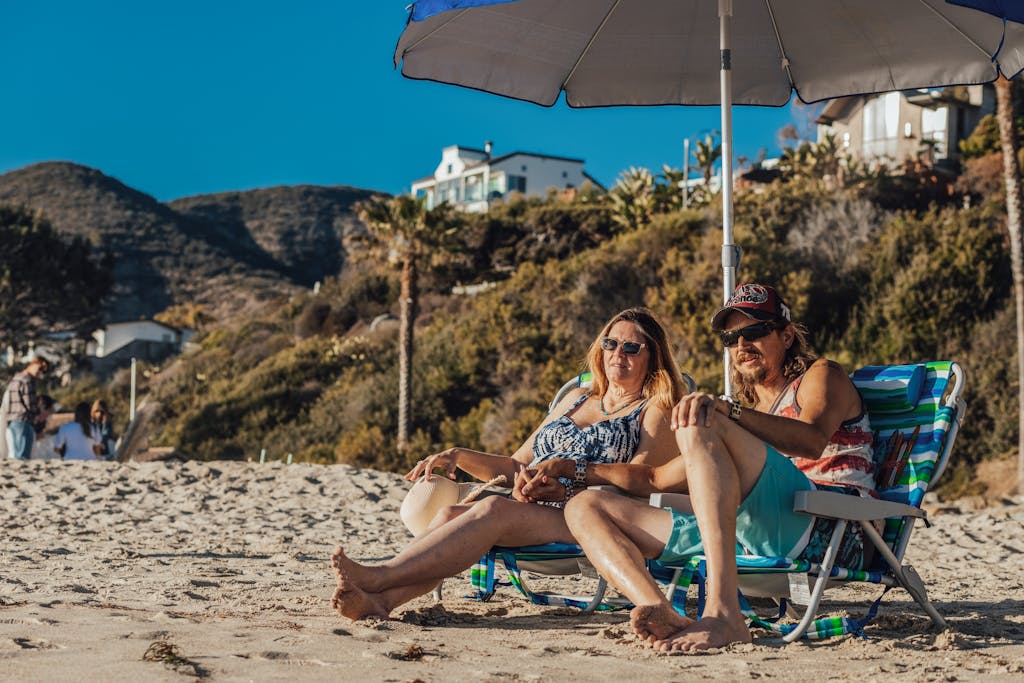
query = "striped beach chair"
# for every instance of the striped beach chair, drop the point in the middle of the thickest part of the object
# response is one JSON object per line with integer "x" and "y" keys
{"x": 916, "y": 411}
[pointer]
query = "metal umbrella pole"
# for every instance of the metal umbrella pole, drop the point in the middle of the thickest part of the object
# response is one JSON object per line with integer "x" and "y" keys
{"x": 730, "y": 252}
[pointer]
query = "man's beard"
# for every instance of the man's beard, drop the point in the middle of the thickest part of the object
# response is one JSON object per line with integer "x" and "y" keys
{"x": 751, "y": 376}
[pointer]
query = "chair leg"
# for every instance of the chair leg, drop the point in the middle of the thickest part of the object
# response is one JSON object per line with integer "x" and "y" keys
{"x": 602, "y": 586}
{"x": 670, "y": 589}
{"x": 907, "y": 577}
{"x": 436, "y": 593}
{"x": 819, "y": 585}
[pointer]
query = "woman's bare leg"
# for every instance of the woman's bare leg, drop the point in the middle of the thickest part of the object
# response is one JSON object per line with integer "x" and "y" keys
{"x": 443, "y": 552}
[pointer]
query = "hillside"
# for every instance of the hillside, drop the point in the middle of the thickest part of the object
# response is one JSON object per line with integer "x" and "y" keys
{"x": 303, "y": 228}
{"x": 220, "y": 251}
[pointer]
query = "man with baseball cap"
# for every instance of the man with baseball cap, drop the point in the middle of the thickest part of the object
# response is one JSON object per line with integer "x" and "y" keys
{"x": 798, "y": 424}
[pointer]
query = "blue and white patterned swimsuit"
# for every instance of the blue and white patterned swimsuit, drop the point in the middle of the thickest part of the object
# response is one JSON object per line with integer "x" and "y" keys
{"x": 608, "y": 441}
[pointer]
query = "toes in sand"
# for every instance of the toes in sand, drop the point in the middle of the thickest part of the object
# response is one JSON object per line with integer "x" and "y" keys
{"x": 657, "y": 622}
{"x": 352, "y": 602}
{"x": 709, "y": 632}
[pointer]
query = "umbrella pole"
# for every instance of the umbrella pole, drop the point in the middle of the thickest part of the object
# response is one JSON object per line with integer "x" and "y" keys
{"x": 730, "y": 252}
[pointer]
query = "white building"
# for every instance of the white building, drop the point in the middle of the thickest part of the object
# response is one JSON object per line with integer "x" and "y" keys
{"x": 116, "y": 336}
{"x": 891, "y": 127}
{"x": 471, "y": 178}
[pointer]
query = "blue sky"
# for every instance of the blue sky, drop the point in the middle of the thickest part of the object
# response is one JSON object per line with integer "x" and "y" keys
{"x": 185, "y": 98}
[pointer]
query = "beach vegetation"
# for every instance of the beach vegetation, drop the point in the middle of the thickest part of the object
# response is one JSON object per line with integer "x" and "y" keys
{"x": 885, "y": 266}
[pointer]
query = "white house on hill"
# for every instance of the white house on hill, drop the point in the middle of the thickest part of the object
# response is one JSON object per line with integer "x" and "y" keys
{"x": 470, "y": 178}
{"x": 891, "y": 127}
{"x": 117, "y": 335}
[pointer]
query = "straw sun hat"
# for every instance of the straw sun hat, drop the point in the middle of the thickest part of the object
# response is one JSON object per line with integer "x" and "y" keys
{"x": 425, "y": 499}
{"x": 431, "y": 494}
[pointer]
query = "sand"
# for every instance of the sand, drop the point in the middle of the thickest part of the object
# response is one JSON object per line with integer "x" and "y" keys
{"x": 170, "y": 571}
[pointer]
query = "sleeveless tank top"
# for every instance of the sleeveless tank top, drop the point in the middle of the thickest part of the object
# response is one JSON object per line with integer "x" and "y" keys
{"x": 608, "y": 441}
{"x": 848, "y": 459}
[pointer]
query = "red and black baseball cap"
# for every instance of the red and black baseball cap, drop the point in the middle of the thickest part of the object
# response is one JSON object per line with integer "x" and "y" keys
{"x": 760, "y": 302}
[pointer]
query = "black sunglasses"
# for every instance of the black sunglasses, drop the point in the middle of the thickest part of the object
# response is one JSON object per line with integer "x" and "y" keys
{"x": 629, "y": 348}
{"x": 750, "y": 333}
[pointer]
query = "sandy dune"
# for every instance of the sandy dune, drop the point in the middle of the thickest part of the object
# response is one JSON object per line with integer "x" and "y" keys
{"x": 160, "y": 571}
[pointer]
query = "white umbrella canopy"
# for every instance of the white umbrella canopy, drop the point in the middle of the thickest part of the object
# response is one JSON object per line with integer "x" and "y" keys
{"x": 705, "y": 52}
{"x": 651, "y": 52}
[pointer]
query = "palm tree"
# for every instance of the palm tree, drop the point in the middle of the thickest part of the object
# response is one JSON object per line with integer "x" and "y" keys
{"x": 1011, "y": 177}
{"x": 410, "y": 235}
{"x": 706, "y": 154}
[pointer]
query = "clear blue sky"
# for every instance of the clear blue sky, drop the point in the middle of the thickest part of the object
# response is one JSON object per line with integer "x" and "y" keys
{"x": 186, "y": 98}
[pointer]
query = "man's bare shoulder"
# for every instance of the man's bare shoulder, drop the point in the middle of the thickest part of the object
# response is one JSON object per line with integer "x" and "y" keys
{"x": 827, "y": 366}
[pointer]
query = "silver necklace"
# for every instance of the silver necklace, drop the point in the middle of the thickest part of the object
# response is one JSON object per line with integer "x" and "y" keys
{"x": 615, "y": 410}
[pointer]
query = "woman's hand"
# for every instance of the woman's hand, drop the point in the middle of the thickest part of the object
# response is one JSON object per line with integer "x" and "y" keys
{"x": 522, "y": 477}
{"x": 446, "y": 460}
{"x": 539, "y": 485}
{"x": 695, "y": 409}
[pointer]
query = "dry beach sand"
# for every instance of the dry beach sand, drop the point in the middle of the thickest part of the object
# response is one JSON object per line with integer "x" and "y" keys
{"x": 169, "y": 571}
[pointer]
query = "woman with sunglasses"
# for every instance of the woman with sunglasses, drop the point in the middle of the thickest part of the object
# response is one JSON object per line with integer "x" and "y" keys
{"x": 622, "y": 418}
{"x": 802, "y": 425}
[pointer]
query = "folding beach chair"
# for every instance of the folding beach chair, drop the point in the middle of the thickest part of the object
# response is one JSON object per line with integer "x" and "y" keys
{"x": 916, "y": 411}
{"x": 552, "y": 559}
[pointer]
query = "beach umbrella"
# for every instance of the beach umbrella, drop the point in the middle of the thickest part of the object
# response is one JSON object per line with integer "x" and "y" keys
{"x": 603, "y": 53}
{"x": 1012, "y": 10}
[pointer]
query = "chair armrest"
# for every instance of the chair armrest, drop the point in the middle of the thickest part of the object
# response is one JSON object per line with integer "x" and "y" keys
{"x": 843, "y": 506}
{"x": 674, "y": 501}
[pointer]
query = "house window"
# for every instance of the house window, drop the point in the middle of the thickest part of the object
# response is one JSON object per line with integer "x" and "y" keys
{"x": 474, "y": 188}
{"x": 523, "y": 168}
{"x": 448, "y": 191}
{"x": 934, "y": 123}
{"x": 881, "y": 126}
{"x": 565, "y": 174}
{"x": 516, "y": 183}
{"x": 495, "y": 187}
{"x": 449, "y": 169}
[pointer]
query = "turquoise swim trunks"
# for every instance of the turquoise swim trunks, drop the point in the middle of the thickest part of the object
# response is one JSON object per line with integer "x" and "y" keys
{"x": 765, "y": 521}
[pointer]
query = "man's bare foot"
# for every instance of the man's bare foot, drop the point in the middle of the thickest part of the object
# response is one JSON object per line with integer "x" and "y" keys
{"x": 352, "y": 602}
{"x": 353, "y": 572}
{"x": 705, "y": 634}
{"x": 657, "y": 622}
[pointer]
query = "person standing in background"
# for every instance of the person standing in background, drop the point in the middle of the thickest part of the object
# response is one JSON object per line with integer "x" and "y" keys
{"x": 21, "y": 409}
{"x": 102, "y": 430}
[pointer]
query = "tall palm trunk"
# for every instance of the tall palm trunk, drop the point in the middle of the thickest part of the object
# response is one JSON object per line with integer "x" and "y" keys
{"x": 1011, "y": 177}
{"x": 407, "y": 314}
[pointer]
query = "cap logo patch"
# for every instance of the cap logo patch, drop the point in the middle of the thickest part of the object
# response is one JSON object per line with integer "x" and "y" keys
{"x": 749, "y": 294}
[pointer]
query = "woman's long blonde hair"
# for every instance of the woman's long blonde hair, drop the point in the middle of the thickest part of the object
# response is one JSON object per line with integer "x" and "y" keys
{"x": 664, "y": 383}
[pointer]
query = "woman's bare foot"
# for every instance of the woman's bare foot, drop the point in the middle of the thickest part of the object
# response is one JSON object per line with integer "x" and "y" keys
{"x": 352, "y": 602}
{"x": 354, "y": 572}
{"x": 705, "y": 634}
{"x": 655, "y": 623}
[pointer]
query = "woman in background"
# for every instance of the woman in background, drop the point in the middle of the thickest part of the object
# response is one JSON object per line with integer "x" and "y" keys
{"x": 74, "y": 440}
{"x": 103, "y": 430}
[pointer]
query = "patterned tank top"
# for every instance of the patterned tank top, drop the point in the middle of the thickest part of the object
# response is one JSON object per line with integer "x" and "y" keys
{"x": 848, "y": 459}
{"x": 608, "y": 441}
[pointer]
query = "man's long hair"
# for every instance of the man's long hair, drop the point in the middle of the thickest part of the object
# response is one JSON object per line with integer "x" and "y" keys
{"x": 799, "y": 357}
{"x": 663, "y": 385}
